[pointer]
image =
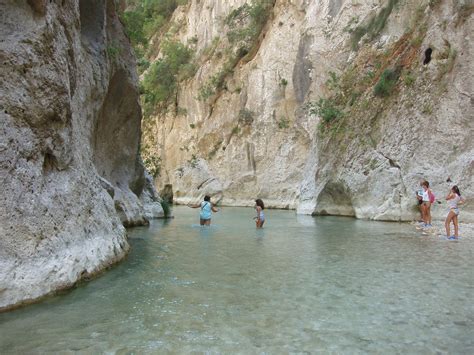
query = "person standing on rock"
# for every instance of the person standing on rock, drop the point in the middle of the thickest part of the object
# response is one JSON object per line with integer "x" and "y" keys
{"x": 206, "y": 211}
{"x": 259, "y": 207}
{"x": 454, "y": 198}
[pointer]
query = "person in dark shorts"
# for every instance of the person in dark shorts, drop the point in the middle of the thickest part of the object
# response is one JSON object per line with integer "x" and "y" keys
{"x": 206, "y": 211}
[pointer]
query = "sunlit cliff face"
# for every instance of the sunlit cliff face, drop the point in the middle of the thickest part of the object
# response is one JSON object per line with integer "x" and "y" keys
{"x": 326, "y": 109}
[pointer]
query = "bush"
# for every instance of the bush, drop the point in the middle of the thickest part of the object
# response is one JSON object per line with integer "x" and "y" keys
{"x": 177, "y": 54}
{"x": 283, "y": 123}
{"x": 326, "y": 109}
{"x": 153, "y": 25}
{"x": 409, "y": 79}
{"x": 333, "y": 82}
{"x": 142, "y": 65}
{"x": 142, "y": 20}
{"x": 387, "y": 83}
{"x": 159, "y": 83}
{"x": 205, "y": 92}
{"x": 283, "y": 82}
{"x": 246, "y": 22}
{"x": 133, "y": 21}
{"x": 147, "y": 17}
{"x": 215, "y": 83}
{"x": 246, "y": 116}
{"x": 245, "y": 25}
{"x": 152, "y": 164}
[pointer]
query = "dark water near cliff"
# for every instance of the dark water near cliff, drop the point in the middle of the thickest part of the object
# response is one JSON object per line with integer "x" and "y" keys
{"x": 301, "y": 284}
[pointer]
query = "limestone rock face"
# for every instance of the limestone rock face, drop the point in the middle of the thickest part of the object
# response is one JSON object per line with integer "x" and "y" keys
{"x": 422, "y": 130}
{"x": 69, "y": 138}
{"x": 150, "y": 199}
{"x": 197, "y": 174}
{"x": 257, "y": 138}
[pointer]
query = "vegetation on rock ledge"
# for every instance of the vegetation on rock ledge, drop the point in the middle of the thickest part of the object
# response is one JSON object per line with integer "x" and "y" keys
{"x": 244, "y": 26}
{"x": 374, "y": 74}
{"x": 159, "y": 84}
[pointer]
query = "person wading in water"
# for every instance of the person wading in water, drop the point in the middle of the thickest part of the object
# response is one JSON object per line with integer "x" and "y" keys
{"x": 206, "y": 211}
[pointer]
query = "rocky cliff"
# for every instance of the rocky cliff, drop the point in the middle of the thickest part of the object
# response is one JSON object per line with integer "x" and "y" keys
{"x": 329, "y": 107}
{"x": 70, "y": 168}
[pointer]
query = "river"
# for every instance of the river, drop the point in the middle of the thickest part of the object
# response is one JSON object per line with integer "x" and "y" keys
{"x": 301, "y": 284}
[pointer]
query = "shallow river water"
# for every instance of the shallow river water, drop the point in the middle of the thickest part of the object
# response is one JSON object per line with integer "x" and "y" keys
{"x": 302, "y": 284}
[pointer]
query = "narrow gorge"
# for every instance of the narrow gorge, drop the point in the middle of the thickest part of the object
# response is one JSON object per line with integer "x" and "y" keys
{"x": 325, "y": 107}
{"x": 292, "y": 138}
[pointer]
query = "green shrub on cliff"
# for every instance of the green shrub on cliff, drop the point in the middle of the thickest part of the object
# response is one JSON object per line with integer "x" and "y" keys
{"x": 283, "y": 123}
{"x": 387, "y": 83}
{"x": 133, "y": 21}
{"x": 244, "y": 25}
{"x": 246, "y": 116}
{"x": 153, "y": 165}
{"x": 246, "y": 22}
{"x": 216, "y": 82}
{"x": 159, "y": 84}
{"x": 143, "y": 19}
{"x": 326, "y": 109}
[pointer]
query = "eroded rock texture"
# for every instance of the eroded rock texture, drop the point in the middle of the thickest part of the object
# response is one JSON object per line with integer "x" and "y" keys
{"x": 70, "y": 169}
{"x": 366, "y": 163}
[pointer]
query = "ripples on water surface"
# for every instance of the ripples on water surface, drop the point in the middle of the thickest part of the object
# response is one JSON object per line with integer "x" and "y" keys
{"x": 301, "y": 284}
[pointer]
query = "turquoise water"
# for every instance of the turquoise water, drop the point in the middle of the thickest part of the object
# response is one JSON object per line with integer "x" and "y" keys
{"x": 301, "y": 284}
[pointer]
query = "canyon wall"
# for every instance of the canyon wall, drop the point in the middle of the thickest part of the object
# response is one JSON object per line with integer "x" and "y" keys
{"x": 396, "y": 90}
{"x": 70, "y": 168}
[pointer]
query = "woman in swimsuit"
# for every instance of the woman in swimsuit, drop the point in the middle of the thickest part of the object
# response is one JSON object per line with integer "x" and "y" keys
{"x": 206, "y": 211}
{"x": 426, "y": 204}
{"x": 259, "y": 207}
{"x": 454, "y": 198}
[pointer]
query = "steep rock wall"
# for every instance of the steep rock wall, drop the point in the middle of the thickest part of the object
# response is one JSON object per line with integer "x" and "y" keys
{"x": 70, "y": 129}
{"x": 254, "y": 137}
{"x": 383, "y": 147}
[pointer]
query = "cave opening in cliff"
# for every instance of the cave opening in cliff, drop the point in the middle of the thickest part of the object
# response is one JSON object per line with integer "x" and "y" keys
{"x": 428, "y": 53}
{"x": 335, "y": 199}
